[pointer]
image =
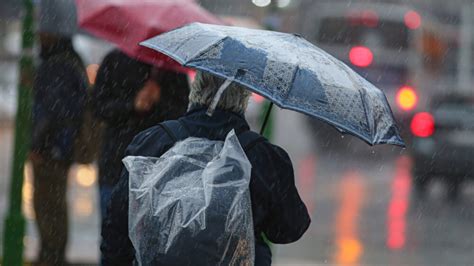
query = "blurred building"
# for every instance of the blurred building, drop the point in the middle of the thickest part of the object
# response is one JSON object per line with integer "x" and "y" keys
{"x": 10, "y": 8}
{"x": 293, "y": 15}
{"x": 9, "y": 57}
{"x": 283, "y": 15}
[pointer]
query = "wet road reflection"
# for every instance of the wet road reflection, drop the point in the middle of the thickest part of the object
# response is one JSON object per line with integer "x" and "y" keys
{"x": 82, "y": 212}
{"x": 360, "y": 199}
{"x": 399, "y": 204}
{"x": 364, "y": 211}
{"x": 349, "y": 248}
{"x": 306, "y": 181}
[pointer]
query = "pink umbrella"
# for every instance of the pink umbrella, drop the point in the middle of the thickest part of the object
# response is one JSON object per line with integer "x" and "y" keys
{"x": 128, "y": 22}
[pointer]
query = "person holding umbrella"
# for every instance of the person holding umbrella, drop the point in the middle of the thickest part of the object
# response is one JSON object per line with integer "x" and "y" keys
{"x": 278, "y": 211}
{"x": 287, "y": 70}
{"x": 130, "y": 96}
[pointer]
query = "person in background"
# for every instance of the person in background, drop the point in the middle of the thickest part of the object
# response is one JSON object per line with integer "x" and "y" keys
{"x": 130, "y": 96}
{"x": 60, "y": 91}
{"x": 277, "y": 209}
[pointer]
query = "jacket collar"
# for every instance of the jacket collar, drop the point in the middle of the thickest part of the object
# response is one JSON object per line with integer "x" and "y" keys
{"x": 195, "y": 107}
{"x": 220, "y": 121}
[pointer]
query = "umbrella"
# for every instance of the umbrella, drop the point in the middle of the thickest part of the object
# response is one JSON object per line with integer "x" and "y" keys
{"x": 289, "y": 71}
{"x": 128, "y": 22}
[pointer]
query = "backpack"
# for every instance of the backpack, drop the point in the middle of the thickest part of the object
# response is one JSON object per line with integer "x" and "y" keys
{"x": 192, "y": 205}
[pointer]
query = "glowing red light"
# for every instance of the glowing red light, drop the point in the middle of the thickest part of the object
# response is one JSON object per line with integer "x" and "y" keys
{"x": 191, "y": 75}
{"x": 412, "y": 20}
{"x": 370, "y": 18}
{"x": 422, "y": 125}
{"x": 361, "y": 56}
{"x": 257, "y": 98}
{"x": 397, "y": 238}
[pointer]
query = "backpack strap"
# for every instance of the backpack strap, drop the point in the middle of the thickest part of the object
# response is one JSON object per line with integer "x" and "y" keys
{"x": 178, "y": 131}
{"x": 175, "y": 129}
{"x": 248, "y": 139}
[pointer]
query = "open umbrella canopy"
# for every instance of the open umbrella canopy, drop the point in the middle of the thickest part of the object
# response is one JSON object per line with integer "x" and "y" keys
{"x": 289, "y": 71}
{"x": 128, "y": 22}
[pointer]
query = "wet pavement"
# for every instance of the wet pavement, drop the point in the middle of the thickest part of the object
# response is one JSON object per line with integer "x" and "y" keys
{"x": 82, "y": 200}
{"x": 363, "y": 210}
{"x": 360, "y": 199}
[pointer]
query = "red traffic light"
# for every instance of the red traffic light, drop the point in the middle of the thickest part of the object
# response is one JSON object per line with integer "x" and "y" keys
{"x": 422, "y": 125}
{"x": 361, "y": 56}
{"x": 412, "y": 20}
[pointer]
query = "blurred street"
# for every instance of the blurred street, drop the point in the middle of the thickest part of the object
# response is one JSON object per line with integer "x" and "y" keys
{"x": 359, "y": 197}
{"x": 380, "y": 205}
{"x": 82, "y": 200}
{"x": 363, "y": 209}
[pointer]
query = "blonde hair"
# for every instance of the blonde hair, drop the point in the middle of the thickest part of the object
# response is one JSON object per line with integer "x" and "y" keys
{"x": 235, "y": 98}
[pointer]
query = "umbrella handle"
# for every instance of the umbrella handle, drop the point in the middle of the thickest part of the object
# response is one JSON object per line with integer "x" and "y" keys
{"x": 267, "y": 115}
{"x": 217, "y": 97}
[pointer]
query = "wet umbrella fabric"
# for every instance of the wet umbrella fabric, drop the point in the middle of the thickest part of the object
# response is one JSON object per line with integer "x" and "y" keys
{"x": 288, "y": 70}
{"x": 128, "y": 22}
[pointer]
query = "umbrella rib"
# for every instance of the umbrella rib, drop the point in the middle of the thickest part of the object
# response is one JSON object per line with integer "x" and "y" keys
{"x": 295, "y": 73}
{"x": 361, "y": 91}
{"x": 204, "y": 50}
{"x": 163, "y": 51}
{"x": 363, "y": 96}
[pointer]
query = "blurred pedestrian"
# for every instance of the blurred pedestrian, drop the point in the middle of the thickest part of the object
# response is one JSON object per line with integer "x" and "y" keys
{"x": 60, "y": 90}
{"x": 277, "y": 209}
{"x": 130, "y": 96}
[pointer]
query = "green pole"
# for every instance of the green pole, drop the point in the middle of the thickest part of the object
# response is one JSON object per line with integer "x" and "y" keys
{"x": 15, "y": 222}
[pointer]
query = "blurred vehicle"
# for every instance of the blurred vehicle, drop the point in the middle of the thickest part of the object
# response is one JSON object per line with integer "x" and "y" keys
{"x": 407, "y": 55}
{"x": 443, "y": 143}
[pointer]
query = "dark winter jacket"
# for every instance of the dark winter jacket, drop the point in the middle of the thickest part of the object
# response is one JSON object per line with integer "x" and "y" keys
{"x": 118, "y": 81}
{"x": 59, "y": 97}
{"x": 277, "y": 209}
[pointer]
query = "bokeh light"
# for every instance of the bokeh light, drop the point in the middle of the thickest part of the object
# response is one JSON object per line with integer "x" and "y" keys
{"x": 412, "y": 20}
{"x": 361, "y": 56}
{"x": 370, "y": 18}
{"x": 83, "y": 206}
{"x": 423, "y": 125}
{"x": 257, "y": 98}
{"x": 86, "y": 175}
{"x": 407, "y": 98}
{"x": 283, "y": 3}
{"x": 27, "y": 192}
{"x": 261, "y": 3}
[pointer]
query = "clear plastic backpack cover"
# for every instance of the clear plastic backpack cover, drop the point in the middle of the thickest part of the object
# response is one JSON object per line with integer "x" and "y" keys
{"x": 192, "y": 205}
